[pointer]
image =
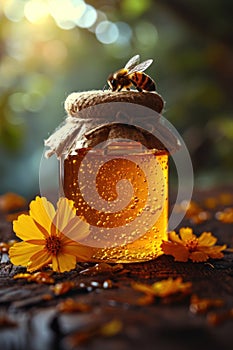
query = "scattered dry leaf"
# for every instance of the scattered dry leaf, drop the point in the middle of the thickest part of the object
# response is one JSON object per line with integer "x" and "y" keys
{"x": 202, "y": 305}
{"x": 38, "y": 277}
{"x": 162, "y": 289}
{"x": 108, "y": 329}
{"x": 102, "y": 268}
{"x": 146, "y": 299}
{"x": 5, "y": 246}
{"x": 70, "y": 305}
{"x": 225, "y": 216}
{"x": 215, "y": 319}
{"x": 42, "y": 278}
{"x": 221, "y": 199}
{"x": 197, "y": 214}
{"x": 194, "y": 212}
{"x": 62, "y": 287}
{"x": 211, "y": 202}
{"x": 22, "y": 276}
{"x": 47, "y": 297}
{"x": 225, "y": 198}
{"x": 187, "y": 245}
{"x": 107, "y": 284}
{"x": 11, "y": 201}
{"x": 111, "y": 328}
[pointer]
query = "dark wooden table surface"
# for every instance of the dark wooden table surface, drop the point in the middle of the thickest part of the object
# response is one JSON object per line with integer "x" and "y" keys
{"x": 113, "y": 319}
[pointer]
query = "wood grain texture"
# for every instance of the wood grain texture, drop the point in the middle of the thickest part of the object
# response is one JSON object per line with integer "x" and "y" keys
{"x": 36, "y": 322}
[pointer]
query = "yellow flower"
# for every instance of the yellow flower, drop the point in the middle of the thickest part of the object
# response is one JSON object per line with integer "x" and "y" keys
{"x": 164, "y": 288}
{"x": 50, "y": 237}
{"x": 187, "y": 245}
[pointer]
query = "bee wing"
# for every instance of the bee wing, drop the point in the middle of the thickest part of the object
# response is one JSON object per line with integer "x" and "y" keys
{"x": 132, "y": 62}
{"x": 141, "y": 67}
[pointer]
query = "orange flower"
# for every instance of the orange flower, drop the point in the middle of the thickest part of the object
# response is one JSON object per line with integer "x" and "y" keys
{"x": 50, "y": 237}
{"x": 164, "y": 288}
{"x": 187, "y": 245}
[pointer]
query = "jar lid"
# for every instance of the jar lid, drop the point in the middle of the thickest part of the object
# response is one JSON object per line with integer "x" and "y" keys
{"x": 78, "y": 101}
{"x": 96, "y": 116}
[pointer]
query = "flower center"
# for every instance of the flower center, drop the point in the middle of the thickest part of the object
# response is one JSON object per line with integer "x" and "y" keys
{"x": 53, "y": 244}
{"x": 192, "y": 244}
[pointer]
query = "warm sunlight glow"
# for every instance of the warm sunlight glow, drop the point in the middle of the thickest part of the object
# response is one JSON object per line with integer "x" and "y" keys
{"x": 67, "y": 12}
{"x": 70, "y": 14}
{"x": 36, "y": 10}
{"x": 14, "y": 10}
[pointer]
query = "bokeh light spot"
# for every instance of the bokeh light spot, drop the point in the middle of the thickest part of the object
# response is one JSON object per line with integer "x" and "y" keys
{"x": 14, "y": 10}
{"x": 107, "y": 32}
{"x": 55, "y": 52}
{"x": 66, "y": 12}
{"x": 88, "y": 18}
{"x": 35, "y": 10}
{"x": 135, "y": 8}
{"x": 146, "y": 34}
{"x": 32, "y": 101}
{"x": 16, "y": 102}
{"x": 125, "y": 33}
{"x": 101, "y": 16}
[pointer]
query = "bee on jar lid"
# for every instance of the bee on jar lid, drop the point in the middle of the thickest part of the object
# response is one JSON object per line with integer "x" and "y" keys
{"x": 132, "y": 74}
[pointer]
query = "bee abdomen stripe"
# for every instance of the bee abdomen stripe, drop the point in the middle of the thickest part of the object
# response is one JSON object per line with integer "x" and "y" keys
{"x": 152, "y": 84}
{"x": 143, "y": 78}
{"x": 135, "y": 76}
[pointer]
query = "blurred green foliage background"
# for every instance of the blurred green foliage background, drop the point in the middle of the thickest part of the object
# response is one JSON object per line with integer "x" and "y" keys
{"x": 50, "y": 48}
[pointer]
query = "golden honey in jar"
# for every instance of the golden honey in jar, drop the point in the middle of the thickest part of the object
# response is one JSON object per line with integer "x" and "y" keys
{"x": 123, "y": 196}
{"x": 114, "y": 166}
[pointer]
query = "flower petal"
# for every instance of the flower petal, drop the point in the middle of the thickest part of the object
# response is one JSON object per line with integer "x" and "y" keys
{"x": 178, "y": 251}
{"x": 63, "y": 262}
{"x": 38, "y": 260}
{"x": 174, "y": 237}
{"x": 36, "y": 241}
{"x": 216, "y": 251}
{"x": 199, "y": 256}
{"x": 42, "y": 211}
{"x": 207, "y": 239}
{"x": 82, "y": 253}
{"x": 76, "y": 229}
{"x": 25, "y": 228}
{"x": 20, "y": 253}
{"x": 71, "y": 249}
{"x": 186, "y": 234}
{"x": 65, "y": 213}
{"x": 55, "y": 265}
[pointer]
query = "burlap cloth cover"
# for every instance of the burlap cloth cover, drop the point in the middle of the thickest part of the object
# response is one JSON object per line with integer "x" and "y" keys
{"x": 94, "y": 117}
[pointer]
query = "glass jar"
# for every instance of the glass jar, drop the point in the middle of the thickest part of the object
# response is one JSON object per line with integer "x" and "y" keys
{"x": 116, "y": 173}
